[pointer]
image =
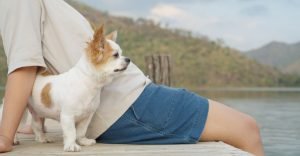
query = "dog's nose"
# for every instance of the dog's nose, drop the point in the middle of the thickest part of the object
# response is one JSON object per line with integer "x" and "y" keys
{"x": 127, "y": 60}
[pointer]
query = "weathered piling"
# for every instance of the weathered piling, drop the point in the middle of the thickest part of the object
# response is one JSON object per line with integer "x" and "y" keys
{"x": 158, "y": 68}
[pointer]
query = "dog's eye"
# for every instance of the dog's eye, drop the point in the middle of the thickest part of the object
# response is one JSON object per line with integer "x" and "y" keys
{"x": 116, "y": 55}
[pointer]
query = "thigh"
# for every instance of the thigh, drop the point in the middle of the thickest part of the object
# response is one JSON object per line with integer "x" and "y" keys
{"x": 225, "y": 124}
{"x": 161, "y": 115}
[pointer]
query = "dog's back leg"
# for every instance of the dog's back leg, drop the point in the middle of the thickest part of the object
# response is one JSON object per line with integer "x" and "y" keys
{"x": 37, "y": 125}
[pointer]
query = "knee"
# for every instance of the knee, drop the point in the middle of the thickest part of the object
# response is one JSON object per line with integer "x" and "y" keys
{"x": 251, "y": 124}
{"x": 252, "y": 130}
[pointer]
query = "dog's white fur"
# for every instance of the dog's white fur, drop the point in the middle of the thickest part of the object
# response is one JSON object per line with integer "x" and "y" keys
{"x": 75, "y": 94}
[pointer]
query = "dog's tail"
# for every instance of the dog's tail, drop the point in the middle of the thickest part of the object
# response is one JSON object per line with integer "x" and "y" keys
{"x": 44, "y": 72}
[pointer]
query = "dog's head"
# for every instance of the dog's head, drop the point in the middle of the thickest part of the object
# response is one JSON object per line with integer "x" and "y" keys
{"x": 104, "y": 54}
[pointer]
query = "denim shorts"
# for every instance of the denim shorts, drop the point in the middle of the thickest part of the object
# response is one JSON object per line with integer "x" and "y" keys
{"x": 160, "y": 115}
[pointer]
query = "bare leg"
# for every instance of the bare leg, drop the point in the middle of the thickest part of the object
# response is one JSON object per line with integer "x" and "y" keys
{"x": 23, "y": 120}
{"x": 18, "y": 89}
{"x": 81, "y": 128}
{"x": 69, "y": 132}
{"x": 232, "y": 127}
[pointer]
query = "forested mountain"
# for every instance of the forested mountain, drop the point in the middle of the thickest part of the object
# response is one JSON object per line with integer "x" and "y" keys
{"x": 285, "y": 57}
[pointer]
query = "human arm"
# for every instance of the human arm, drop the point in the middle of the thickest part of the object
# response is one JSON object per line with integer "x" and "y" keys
{"x": 18, "y": 89}
{"x": 20, "y": 28}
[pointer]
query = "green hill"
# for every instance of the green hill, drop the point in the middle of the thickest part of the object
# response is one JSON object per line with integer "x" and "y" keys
{"x": 3, "y": 68}
{"x": 285, "y": 57}
{"x": 196, "y": 61}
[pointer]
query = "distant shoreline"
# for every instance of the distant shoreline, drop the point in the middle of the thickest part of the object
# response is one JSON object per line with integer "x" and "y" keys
{"x": 253, "y": 89}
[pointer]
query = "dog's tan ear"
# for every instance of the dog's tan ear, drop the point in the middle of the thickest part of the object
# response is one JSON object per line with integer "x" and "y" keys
{"x": 99, "y": 40}
{"x": 95, "y": 47}
{"x": 112, "y": 36}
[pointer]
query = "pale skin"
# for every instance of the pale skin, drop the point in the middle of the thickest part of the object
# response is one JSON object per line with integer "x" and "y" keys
{"x": 18, "y": 89}
{"x": 223, "y": 123}
{"x": 232, "y": 127}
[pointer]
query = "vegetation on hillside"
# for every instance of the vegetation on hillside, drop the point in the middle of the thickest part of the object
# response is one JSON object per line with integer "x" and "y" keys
{"x": 3, "y": 67}
{"x": 196, "y": 61}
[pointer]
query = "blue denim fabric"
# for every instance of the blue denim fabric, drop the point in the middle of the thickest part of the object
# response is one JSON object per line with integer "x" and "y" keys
{"x": 160, "y": 115}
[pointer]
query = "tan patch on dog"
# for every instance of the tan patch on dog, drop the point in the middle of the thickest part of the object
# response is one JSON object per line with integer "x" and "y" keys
{"x": 45, "y": 95}
{"x": 45, "y": 73}
{"x": 99, "y": 50}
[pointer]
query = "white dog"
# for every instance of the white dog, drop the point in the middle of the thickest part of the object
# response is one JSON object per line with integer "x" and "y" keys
{"x": 73, "y": 97}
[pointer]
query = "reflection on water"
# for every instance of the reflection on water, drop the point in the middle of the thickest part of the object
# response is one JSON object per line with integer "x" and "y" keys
{"x": 277, "y": 112}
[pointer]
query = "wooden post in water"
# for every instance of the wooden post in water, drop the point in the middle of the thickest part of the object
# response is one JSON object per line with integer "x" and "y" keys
{"x": 158, "y": 68}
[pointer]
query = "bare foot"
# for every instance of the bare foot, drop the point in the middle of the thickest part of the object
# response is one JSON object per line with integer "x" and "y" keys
{"x": 26, "y": 130}
{"x": 5, "y": 144}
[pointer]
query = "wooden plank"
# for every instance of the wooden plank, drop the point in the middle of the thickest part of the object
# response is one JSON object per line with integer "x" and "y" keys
{"x": 29, "y": 147}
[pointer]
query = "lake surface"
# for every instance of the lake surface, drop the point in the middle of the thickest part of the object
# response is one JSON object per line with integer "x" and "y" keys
{"x": 276, "y": 110}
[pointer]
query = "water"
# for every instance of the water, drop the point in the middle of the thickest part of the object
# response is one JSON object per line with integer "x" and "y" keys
{"x": 276, "y": 110}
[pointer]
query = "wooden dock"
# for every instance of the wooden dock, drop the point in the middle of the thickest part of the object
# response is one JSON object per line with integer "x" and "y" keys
{"x": 29, "y": 147}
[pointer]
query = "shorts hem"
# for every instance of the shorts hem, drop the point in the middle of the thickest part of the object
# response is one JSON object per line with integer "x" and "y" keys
{"x": 199, "y": 126}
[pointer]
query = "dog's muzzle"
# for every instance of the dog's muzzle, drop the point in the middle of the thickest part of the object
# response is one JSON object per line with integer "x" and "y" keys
{"x": 127, "y": 60}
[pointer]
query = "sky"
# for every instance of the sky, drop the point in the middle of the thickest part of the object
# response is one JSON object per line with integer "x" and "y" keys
{"x": 241, "y": 24}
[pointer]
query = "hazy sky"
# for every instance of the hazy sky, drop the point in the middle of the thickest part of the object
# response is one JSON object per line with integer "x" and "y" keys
{"x": 242, "y": 24}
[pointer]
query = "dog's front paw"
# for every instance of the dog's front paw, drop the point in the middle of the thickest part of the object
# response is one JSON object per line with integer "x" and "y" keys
{"x": 43, "y": 139}
{"x": 72, "y": 147}
{"x": 86, "y": 141}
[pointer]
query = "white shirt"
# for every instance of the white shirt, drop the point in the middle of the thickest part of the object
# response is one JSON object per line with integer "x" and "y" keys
{"x": 53, "y": 35}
